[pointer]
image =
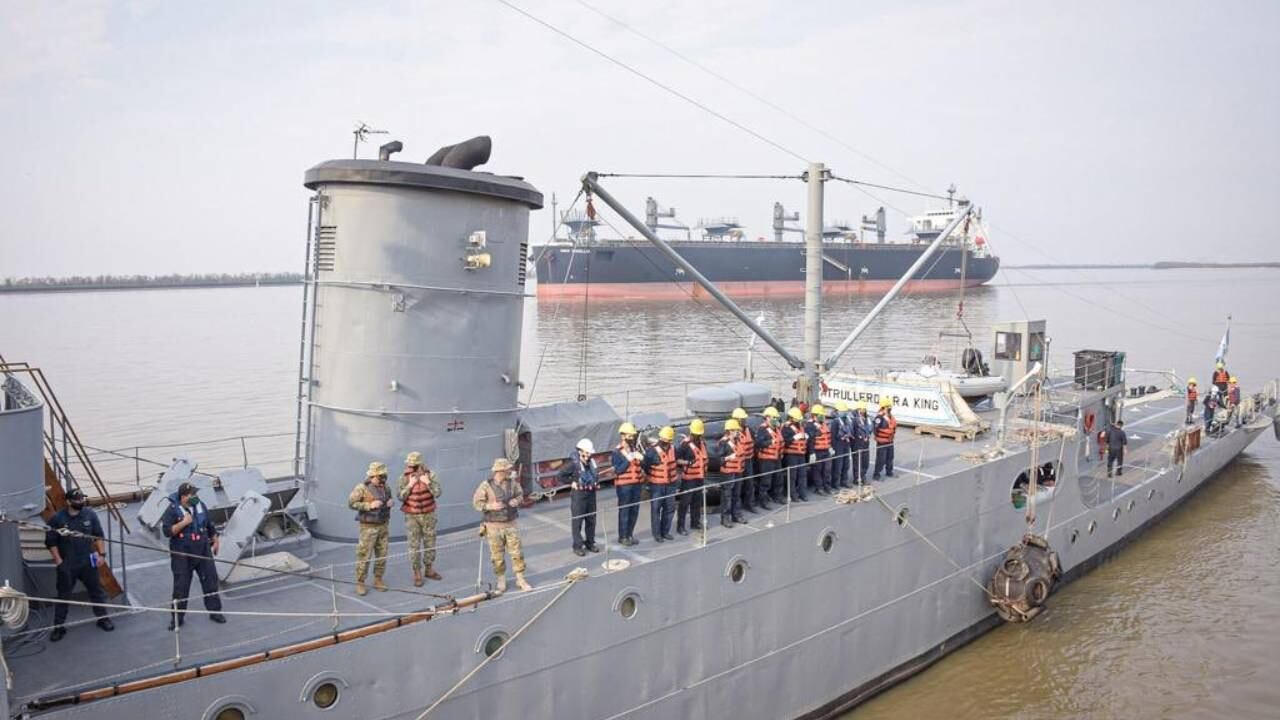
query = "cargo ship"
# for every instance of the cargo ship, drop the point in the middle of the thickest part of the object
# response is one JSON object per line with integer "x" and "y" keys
{"x": 578, "y": 263}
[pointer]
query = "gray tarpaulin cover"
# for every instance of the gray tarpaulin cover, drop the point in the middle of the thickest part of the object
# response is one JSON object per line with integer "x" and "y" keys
{"x": 555, "y": 429}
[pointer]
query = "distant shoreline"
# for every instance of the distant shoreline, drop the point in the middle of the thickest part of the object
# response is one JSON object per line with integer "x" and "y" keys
{"x": 168, "y": 282}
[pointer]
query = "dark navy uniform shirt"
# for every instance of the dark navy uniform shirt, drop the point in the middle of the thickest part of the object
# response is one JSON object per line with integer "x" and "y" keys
{"x": 74, "y": 550}
{"x": 194, "y": 538}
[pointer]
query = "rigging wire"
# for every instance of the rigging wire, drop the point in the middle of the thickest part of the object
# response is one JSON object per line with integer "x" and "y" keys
{"x": 555, "y": 312}
{"x": 654, "y": 81}
{"x": 753, "y": 95}
{"x": 890, "y": 188}
{"x": 700, "y": 176}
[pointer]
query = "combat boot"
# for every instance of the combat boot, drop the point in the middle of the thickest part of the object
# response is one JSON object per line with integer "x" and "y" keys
{"x": 433, "y": 575}
{"x": 360, "y": 588}
{"x": 502, "y": 583}
{"x": 522, "y": 583}
{"x": 417, "y": 578}
{"x": 379, "y": 585}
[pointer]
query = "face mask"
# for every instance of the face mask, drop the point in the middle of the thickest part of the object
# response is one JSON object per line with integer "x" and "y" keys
{"x": 190, "y": 500}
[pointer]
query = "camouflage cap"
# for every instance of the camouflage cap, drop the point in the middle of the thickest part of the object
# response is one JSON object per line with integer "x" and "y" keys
{"x": 414, "y": 458}
{"x": 376, "y": 468}
{"x": 501, "y": 465}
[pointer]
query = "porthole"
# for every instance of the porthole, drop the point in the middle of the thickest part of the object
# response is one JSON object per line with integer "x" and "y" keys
{"x": 738, "y": 571}
{"x": 628, "y": 607}
{"x": 1074, "y": 534}
{"x": 229, "y": 713}
{"x": 901, "y": 517}
{"x": 827, "y": 540}
{"x": 1115, "y": 514}
{"x": 1093, "y": 525}
{"x": 1129, "y": 507}
{"x": 232, "y": 707}
{"x": 494, "y": 643}
{"x": 325, "y": 695}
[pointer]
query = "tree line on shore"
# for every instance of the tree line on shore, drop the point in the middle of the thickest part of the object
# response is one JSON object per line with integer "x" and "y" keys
{"x": 108, "y": 282}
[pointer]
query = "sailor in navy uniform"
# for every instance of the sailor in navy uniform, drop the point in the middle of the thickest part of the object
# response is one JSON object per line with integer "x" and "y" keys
{"x": 75, "y": 541}
{"x": 193, "y": 540}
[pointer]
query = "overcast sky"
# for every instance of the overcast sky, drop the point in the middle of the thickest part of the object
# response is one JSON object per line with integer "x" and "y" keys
{"x": 172, "y": 137}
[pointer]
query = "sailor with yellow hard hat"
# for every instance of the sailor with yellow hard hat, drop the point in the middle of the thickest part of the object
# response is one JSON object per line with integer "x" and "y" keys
{"x": 885, "y": 427}
{"x": 795, "y": 456}
{"x": 732, "y": 462}
{"x": 768, "y": 454}
{"x": 1193, "y": 394}
{"x": 628, "y": 480}
{"x": 819, "y": 450}
{"x": 691, "y": 457}
{"x": 661, "y": 471}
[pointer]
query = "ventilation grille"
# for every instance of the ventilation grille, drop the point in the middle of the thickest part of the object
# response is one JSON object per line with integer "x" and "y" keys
{"x": 523, "y": 272}
{"x": 326, "y": 247}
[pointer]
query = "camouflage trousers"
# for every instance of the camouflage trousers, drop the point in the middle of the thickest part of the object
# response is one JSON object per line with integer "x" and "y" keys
{"x": 421, "y": 528}
{"x": 507, "y": 538}
{"x": 373, "y": 541}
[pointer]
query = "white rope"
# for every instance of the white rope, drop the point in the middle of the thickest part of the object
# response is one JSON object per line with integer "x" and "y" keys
{"x": 573, "y": 577}
{"x": 14, "y": 606}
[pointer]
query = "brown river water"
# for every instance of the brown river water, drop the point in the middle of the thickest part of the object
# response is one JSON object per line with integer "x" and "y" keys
{"x": 1185, "y": 622}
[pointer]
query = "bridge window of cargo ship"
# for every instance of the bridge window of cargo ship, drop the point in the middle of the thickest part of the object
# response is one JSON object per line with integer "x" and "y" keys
{"x": 1008, "y": 346}
{"x": 1035, "y": 347}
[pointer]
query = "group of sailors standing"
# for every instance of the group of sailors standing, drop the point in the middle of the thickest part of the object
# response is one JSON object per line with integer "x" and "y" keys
{"x": 763, "y": 461}
{"x": 1223, "y": 394}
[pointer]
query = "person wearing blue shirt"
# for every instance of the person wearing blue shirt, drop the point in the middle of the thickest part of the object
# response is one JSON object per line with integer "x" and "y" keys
{"x": 860, "y": 442}
{"x": 75, "y": 541}
{"x": 583, "y": 477}
{"x": 193, "y": 541}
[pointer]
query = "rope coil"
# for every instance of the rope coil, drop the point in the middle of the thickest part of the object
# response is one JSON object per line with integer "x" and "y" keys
{"x": 15, "y": 608}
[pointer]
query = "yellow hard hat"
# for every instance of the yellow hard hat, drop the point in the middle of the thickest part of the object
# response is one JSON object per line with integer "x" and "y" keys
{"x": 732, "y": 424}
{"x": 1221, "y": 365}
{"x": 667, "y": 433}
{"x": 819, "y": 410}
{"x": 795, "y": 414}
{"x": 1233, "y": 378}
{"x": 414, "y": 458}
{"x": 696, "y": 427}
{"x": 886, "y": 402}
{"x": 862, "y": 405}
{"x": 376, "y": 468}
{"x": 842, "y": 406}
{"x": 1191, "y": 381}
{"x": 627, "y": 429}
{"x": 739, "y": 414}
{"x": 771, "y": 412}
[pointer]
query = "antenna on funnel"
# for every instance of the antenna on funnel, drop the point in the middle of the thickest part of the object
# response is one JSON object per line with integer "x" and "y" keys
{"x": 361, "y": 133}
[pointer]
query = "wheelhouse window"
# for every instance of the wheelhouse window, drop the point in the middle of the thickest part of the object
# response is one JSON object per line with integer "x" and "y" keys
{"x": 1035, "y": 347}
{"x": 1008, "y": 346}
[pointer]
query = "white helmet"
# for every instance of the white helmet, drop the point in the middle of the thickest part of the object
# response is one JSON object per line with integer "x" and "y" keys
{"x": 586, "y": 446}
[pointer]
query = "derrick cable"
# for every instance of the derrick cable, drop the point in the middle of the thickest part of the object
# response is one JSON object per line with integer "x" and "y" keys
{"x": 555, "y": 312}
{"x": 66, "y": 532}
{"x": 654, "y": 81}
{"x": 699, "y": 176}
{"x": 755, "y": 96}
{"x": 890, "y": 188}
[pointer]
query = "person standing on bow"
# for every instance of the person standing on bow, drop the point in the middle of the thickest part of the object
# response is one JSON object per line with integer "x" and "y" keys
{"x": 193, "y": 541}
{"x": 732, "y": 461}
{"x": 885, "y": 427}
{"x": 628, "y": 479}
{"x": 1193, "y": 394}
{"x": 768, "y": 442}
{"x": 747, "y": 495}
{"x": 498, "y": 500}
{"x": 660, "y": 469}
{"x": 1221, "y": 378}
{"x": 1116, "y": 442}
{"x": 1233, "y": 400}
{"x": 820, "y": 452}
{"x": 371, "y": 500}
{"x": 691, "y": 456}
{"x": 75, "y": 540}
{"x": 583, "y": 477}
{"x": 860, "y": 432}
{"x": 838, "y": 425}
{"x": 795, "y": 454}
{"x": 418, "y": 492}
{"x": 1210, "y": 408}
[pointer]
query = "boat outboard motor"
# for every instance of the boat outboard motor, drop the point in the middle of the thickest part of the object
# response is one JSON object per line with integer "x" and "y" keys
{"x": 1026, "y": 576}
{"x": 465, "y": 155}
{"x": 971, "y": 361}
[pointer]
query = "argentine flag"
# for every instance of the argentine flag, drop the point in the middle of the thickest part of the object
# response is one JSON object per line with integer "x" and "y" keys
{"x": 1222, "y": 346}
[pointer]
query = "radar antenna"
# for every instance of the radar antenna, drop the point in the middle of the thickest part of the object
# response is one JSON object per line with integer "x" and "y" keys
{"x": 361, "y": 133}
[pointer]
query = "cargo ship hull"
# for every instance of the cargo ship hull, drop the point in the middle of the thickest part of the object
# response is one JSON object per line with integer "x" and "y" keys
{"x": 624, "y": 269}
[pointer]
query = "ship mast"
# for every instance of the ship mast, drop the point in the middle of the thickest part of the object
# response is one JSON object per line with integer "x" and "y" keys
{"x": 807, "y": 389}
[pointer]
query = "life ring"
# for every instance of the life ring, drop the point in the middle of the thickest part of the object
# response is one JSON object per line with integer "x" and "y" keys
{"x": 1088, "y": 423}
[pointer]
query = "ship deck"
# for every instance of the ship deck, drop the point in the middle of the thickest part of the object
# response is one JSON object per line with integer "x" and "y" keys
{"x": 142, "y": 646}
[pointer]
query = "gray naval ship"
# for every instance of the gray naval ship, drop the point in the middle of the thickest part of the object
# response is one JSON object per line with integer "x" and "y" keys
{"x": 411, "y": 334}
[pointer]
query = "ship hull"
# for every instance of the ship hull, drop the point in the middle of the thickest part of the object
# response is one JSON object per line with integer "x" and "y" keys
{"x": 634, "y": 270}
{"x": 807, "y": 633}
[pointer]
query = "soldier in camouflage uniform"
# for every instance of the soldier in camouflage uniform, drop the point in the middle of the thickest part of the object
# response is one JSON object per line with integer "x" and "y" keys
{"x": 418, "y": 492}
{"x": 498, "y": 499}
{"x": 371, "y": 500}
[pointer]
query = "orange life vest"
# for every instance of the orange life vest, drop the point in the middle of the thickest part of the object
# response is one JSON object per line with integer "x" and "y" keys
{"x": 664, "y": 472}
{"x": 797, "y": 446}
{"x": 1192, "y": 393}
{"x": 1220, "y": 377}
{"x": 420, "y": 500}
{"x": 774, "y": 449}
{"x": 884, "y": 433}
{"x": 746, "y": 441}
{"x": 731, "y": 464}
{"x": 634, "y": 473}
{"x": 697, "y": 470}
{"x": 823, "y": 440}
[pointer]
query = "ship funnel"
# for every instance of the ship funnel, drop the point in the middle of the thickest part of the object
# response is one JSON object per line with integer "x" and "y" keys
{"x": 465, "y": 155}
{"x": 384, "y": 152}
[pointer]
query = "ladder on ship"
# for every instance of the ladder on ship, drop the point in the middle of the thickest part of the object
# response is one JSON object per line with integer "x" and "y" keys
{"x": 64, "y": 450}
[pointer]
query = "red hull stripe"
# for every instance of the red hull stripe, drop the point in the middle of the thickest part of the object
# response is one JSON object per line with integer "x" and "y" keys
{"x": 753, "y": 289}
